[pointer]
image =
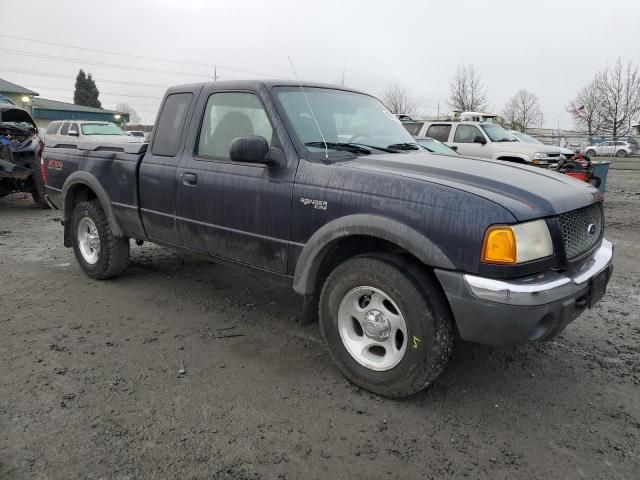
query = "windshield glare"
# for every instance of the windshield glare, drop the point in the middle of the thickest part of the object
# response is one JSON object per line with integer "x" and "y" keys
{"x": 343, "y": 117}
{"x": 497, "y": 134}
{"x": 526, "y": 138}
{"x": 101, "y": 129}
{"x": 433, "y": 145}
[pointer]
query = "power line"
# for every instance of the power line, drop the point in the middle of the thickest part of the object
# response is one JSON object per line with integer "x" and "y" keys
{"x": 68, "y": 77}
{"x": 100, "y": 64}
{"x": 101, "y": 92}
{"x": 142, "y": 57}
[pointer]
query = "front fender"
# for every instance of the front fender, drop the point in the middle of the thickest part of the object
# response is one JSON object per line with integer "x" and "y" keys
{"x": 319, "y": 244}
{"x": 84, "y": 178}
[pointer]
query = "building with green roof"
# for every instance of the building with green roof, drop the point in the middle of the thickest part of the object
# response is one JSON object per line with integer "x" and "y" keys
{"x": 44, "y": 111}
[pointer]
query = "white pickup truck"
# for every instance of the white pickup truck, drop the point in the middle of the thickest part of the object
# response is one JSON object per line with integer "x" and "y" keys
{"x": 489, "y": 140}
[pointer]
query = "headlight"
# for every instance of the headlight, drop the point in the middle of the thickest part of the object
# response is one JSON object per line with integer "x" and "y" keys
{"x": 511, "y": 244}
{"x": 540, "y": 158}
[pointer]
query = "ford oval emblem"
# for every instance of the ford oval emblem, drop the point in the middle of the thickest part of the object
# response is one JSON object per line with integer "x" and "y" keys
{"x": 591, "y": 229}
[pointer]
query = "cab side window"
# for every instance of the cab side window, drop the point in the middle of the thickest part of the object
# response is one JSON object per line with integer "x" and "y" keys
{"x": 65, "y": 128}
{"x": 230, "y": 115}
{"x": 439, "y": 132}
{"x": 53, "y": 128}
{"x": 168, "y": 131}
{"x": 466, "y": 134}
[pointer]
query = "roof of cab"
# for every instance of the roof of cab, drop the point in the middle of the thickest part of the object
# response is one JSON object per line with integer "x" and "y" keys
{"x": 256, "y": 84}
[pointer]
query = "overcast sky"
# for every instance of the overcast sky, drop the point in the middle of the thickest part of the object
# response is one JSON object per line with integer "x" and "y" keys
{"x": 551, "y": 48}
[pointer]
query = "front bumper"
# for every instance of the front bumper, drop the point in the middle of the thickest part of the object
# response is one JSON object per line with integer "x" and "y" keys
{"x": 498, "y": 312}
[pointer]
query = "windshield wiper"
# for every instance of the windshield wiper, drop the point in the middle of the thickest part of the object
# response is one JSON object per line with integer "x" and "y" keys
{"x": 382, "y": 149}
{"x": 346, "y": 147}
{"x": 404, "y": 146}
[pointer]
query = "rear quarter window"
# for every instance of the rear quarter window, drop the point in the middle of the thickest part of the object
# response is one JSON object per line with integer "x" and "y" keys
{"x": 166, "y": 137}
{"x": 439, "y": 132}
{"x": 65, "y": 128}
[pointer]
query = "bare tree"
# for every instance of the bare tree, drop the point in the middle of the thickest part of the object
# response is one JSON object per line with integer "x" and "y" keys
{"x": 398, "y": 100}
{"x": 619, "y": 92}
{"x": 126, "y": 108}
{"x": 586, "y": 109}
{"x": 522, "y": 111}
{"x": 467, "y": 92}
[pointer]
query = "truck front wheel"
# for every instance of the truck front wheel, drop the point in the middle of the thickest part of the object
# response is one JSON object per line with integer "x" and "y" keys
{"x": 99, "y": 252}
{"x": 386, "y": 323}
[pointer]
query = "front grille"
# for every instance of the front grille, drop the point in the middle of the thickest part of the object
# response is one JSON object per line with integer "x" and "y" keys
{"x": 576, "y": 232}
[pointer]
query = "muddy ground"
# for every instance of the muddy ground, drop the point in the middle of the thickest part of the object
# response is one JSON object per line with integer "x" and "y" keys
{"x": 89, "y": 384}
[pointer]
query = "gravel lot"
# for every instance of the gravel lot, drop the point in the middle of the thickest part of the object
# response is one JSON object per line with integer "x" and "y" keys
{"x": 90, "y": 386}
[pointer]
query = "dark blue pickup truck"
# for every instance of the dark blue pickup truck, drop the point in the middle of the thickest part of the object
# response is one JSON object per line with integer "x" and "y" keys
{"x": 395, "y": 250}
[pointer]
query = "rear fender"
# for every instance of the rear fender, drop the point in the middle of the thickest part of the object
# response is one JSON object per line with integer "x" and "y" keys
{"x": 72, "y": 184}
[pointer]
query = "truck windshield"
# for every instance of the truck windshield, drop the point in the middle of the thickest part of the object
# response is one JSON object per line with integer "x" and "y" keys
{"x": 101, "y": 129}
{"x": 497, "y": 134}
{"x": 351, "y": 123}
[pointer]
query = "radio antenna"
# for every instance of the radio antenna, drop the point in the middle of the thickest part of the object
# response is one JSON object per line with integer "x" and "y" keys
{"x": 326, "y": 148}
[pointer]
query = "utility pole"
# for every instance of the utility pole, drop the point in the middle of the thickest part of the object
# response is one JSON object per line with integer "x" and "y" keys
{"x": 215, "y": 73}
{"x": 438, "y": 110}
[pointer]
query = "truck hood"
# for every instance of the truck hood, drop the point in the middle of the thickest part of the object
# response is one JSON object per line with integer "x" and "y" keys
{"x": 11, "y": 114}
{"x": 523, "y": 147}
{"x": 110, "y": 139}
{"x": 527, "y": 192}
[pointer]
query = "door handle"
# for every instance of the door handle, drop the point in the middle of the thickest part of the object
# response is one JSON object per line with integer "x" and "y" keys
{"x": 189, "y": 178}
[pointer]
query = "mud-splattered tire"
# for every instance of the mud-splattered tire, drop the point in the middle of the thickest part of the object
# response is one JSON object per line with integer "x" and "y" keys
{"x": 402, "y": 297}
{"x": 38, "y": 184}
{"x": 99, "y": 252}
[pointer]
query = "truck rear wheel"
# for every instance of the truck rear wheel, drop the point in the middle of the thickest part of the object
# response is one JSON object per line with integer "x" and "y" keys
{"x": 99, "y": 252}
{"x": 387, "y": 324}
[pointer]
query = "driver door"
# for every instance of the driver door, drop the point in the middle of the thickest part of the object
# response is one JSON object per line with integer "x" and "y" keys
{"x": 464, "y": 138}
{"x": 232, "y": 209}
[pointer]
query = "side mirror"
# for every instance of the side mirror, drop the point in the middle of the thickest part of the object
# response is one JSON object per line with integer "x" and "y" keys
{"x": 73, "y": 133}
{"x": 251, "y": 149}
{"x": 479, "y": 139}
{"x": 454, "y": 148}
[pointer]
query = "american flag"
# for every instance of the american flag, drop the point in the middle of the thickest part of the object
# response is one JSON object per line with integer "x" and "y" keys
{"x": 578, "y": 110}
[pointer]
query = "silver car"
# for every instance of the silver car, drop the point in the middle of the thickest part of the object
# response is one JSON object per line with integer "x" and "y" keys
{"x": 617, "y": 148}
{"x": 523, "y": 137}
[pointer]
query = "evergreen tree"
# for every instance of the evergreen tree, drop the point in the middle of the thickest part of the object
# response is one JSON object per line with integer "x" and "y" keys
{"x": 94, "y": 93}
{"x": 86, "y": 92}
{"x": 80, "y": 93}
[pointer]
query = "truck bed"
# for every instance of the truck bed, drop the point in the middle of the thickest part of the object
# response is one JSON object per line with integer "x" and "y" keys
{"x": 114, "y": 170}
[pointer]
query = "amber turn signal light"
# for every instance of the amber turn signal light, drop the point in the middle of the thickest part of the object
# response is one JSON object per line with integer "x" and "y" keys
{"x": 499, "y": 245}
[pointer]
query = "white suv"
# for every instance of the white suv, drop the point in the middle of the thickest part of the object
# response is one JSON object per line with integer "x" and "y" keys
{"x": 619, "y": 149}
{"x": 72, "y": 131}
{"x": 489, "y": 140}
